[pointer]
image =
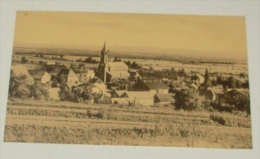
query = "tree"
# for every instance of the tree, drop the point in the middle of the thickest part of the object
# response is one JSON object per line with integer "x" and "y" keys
{"x": 65, "y": 94}
{"x": 82, "y": 66}
{"x": 54, "y": 82}
{"x": 182, "y": 72}
{"x": 128, "y": 63}
{"x": 117, "y": 59}
{"x": 222, "y": 81}
{"x": 38, "y": 91}
{"x": 90, "y": 60}
{"x": 207, "y": 80}
{"x": 73, "y": 66}
{"x": 245, "y": 84}
{"x": 232, "y": 83}
{"x": 238, "y": 100}
{"x": 24, "y": 59}
{"x": 62, "y": 80}
{"x": 190, "y": 100}
{"x": 173, "y": 70}
{"x": 18, "y": 87}
{"x": 135, "y": 65}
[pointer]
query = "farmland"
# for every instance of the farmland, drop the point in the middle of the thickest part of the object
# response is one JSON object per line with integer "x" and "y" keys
{"x": 189, "y": 65}
{"x": 78, "y": 123}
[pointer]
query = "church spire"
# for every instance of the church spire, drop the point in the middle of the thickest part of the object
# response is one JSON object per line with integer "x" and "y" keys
{"x": 104, "y": 47}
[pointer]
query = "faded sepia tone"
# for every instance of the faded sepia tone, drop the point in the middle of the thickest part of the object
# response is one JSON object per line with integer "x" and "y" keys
{"x": 129, "y": 79}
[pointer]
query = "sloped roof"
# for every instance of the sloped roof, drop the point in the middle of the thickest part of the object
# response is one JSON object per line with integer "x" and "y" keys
{"x": 67, "y": 72}
{"x": 120, "y": 92}
{"x": 177, "y": 84}
{"x": 164, "y": 97}
{"x": 37, "y": 73}
{"x": 55, "y": 70}
{"x": 117, "y": 64}
{"x": 18, "y": 70}
{"x": 64, "y": 71}
{"x": 89, "y": 84}
{"x": 152, "y": 85}
{"x": 95, "y": 80}
{"x": 81, "y": 86}
{"x": 139, "y": 95}
{"x": 71, "y": 84}
{"x": 79, "y": 71}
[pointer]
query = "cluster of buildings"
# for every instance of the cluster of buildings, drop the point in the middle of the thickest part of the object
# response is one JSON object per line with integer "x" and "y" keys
{"x": 103, "y": 82}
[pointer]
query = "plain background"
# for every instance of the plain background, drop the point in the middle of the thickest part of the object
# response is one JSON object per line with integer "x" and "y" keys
{"x": 248, "y": 8}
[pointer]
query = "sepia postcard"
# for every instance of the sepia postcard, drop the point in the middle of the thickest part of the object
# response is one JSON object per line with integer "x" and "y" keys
{"x": 129, "y": 80}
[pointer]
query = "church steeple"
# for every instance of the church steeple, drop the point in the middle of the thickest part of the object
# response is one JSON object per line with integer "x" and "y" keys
{"x": 104, "y": 47}
{"x": 103, "y": 64}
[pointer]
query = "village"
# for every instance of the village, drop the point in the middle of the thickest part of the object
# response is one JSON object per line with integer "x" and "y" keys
{"x": 121, "y": 82}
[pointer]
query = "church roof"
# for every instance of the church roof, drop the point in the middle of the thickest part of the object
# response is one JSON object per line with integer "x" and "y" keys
{"x": 117, "y": 65}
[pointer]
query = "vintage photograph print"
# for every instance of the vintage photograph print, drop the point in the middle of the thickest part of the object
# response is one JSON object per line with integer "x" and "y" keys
{"x": 129, "y": 79}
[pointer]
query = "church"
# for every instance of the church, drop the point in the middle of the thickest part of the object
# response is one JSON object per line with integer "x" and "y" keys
{"x": 108, "y": 70}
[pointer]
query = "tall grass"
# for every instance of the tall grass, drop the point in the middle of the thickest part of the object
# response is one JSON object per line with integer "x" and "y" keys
{"x": 228, "y": 120}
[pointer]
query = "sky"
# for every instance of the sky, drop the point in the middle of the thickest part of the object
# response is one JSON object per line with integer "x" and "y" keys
{"x": 187, "y": 35}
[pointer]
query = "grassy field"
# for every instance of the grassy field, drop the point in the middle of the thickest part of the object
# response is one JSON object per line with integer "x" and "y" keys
{"x": 74, "y": 123}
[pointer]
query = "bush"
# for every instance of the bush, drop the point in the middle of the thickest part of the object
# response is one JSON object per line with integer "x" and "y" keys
{"x": 230, "y": 121}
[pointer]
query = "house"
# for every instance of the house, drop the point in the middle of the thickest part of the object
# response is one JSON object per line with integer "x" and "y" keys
{"x": 69, "y": 75}
{"x": 97, "y": 86}
{"x": 70, "y": 85}
{"x": 117, "y": 93}
{"x": 19, "y": 70}
{"x": 153, "y": 86}
{"x": 94, "y": 86}
{"x": 41, "y": 76}
{"x": 198, "y": 79}
{"x": 209, "y": 94}
{"x": 144, "y": 98}
{"x": 119, "y": 97}
{"x": 43, "y": 63}
{"x": 54, "y": 93}
{"x": 54, "y": 70}
{"x": 50, "y": 63}
{"x": 212, "y": 93}
{"x": 176, "y": 86}
{"x": 134, "y": 75}
{"x": 84, "y": 75}
{"x": 193, "y": 86}
{"x": 162, "y": 98}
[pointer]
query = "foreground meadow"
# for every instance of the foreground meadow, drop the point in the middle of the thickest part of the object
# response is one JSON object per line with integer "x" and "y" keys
{"x": 74, "y": 123}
